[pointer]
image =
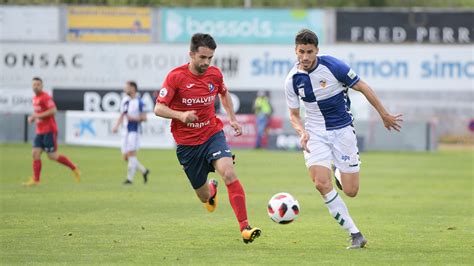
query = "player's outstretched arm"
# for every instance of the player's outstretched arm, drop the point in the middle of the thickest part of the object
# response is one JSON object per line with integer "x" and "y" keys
{"x": 229, "y": 109}
{"x": 164, "y": 111}
{"x": 297, "y": 124}
{"x": 390, "y": 121}
{"x": 118, "y": 123}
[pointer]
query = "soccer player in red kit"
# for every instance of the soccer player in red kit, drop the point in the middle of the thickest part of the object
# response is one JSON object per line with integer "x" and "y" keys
{"x": 187, "y": 97}
{"x": 46, "y": 133}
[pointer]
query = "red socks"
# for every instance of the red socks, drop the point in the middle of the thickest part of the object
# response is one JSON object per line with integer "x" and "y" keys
{"x": 237, "y": 200}
{"x": 36, "y": 170}
{"x": 65, "y": 161}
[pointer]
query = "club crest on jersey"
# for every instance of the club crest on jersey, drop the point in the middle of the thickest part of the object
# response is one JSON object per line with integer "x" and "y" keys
{"x": 322, "y": 83}
{"x": 211, "y": 87}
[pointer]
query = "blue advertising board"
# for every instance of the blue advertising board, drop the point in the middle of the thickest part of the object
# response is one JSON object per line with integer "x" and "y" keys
{"x": 239, "y": 26}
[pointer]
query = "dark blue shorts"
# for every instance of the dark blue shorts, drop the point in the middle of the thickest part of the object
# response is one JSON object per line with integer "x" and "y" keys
{"x": 46, "y": 141}
{"x": 197, "y": 159}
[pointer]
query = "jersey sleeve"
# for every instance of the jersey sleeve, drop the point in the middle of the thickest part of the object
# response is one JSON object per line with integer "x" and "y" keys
{"x": 122, "y": 105}
{"x": 341, "y": 71}
{"x": 168, "y": 89}
{"x": 125, "y": 107}
{"x": 48, "y": 103}
{"x": 141, "y": 106}
{"x": 292, "y": 100}
{"x": 221, "y": 87}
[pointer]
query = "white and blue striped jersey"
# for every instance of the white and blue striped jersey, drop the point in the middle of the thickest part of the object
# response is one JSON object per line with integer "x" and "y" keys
{"x": 323, "y": 91}
{"x": 132, "y": 107}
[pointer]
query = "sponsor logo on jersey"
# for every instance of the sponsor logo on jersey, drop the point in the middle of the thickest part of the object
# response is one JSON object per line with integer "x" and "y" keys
{"x": 351, "y": 74}
{"x": 189, "y": 86}
{"x": 201, "y": 100}
{"x": 163, "y": 92}
{"x": 345, "y": 158}
{"x": 211, "y": 87}
{"x": 198, "y": 125}
{"x": 301, "y": 92}
{"x": 216, "y": 153}
{"x": 322, "y": 83}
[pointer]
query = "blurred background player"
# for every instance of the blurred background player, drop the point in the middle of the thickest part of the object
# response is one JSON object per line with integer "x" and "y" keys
{"x": 328, "y": 136}
{"x": 263, "y": 111}
{"x": 131, "y": 111}
{"x": 46, "y": 133}
{"x": 187, "y": 97}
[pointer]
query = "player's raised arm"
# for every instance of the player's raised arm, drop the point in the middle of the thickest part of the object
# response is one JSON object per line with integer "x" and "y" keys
{"x": 390, "y": 121}
{"x": 226, "y": 101}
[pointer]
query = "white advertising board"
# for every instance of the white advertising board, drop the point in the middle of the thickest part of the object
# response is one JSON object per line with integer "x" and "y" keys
{"x": 384, "y": 67}
{"x": 95, "y": 129}
{"x": 17, "y": 101}
{"x": 29, "y": 23}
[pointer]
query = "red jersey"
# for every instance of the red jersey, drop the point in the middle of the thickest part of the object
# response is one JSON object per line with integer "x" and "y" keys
{"x": 42, "y": 102}
{"x": 184, "y": 91}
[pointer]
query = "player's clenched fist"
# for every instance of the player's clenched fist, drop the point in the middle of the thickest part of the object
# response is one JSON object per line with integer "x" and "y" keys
{"x": 189, "y": 116}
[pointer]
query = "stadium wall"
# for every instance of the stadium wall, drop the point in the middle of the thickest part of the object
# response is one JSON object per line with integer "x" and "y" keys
{"x": 420, "y": 62}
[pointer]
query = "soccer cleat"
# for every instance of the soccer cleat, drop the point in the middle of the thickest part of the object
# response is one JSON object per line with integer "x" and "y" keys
{"x": 357, "y": 241}
{"x": 211, "y": 204}
{"x": 77, "y": 175}
{"x": 337, "y": 177}
{"x": 31, "y": 182}
{"x": 127, "y": 182}
{"x": 249, "y": 234}
{"x": 145, "y": 176}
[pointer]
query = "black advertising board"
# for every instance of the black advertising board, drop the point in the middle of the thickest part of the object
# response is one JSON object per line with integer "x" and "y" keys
{"x": 108, "y": 100}
{"x": 428, "y": 27}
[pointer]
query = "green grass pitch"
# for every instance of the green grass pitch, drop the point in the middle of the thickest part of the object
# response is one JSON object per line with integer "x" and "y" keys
{"x": 414, "y": 208}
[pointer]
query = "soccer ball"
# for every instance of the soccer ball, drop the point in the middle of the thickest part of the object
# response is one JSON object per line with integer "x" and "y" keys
{"x": 283, "y": 208}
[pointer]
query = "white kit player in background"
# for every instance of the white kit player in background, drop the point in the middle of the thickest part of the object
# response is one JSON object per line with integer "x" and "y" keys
{"x": 328, "y": 136}
{"x": 131, "y": 112}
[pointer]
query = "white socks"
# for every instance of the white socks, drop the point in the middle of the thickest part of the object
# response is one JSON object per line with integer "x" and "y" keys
{"x": 338, "y": 209}
{"x": 132, "y": 167}
{"x": 141, "y": 167}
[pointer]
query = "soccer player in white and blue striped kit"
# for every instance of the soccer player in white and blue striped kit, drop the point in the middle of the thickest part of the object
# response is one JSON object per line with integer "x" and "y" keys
{"x": 328, "y": 137}
{"x": 131, "y": 111}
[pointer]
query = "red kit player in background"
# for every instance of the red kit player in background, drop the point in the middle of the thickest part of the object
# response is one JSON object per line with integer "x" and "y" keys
{"x": 187, "y": 97}
{"x": 46, "y": 133}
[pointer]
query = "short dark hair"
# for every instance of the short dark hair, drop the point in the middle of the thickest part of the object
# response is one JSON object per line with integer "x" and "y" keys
{"x": 37, "y": 79}
{"x": 133, "y": 84}
{"x": 202, "y": 40}
{"x": 306, "y": 36}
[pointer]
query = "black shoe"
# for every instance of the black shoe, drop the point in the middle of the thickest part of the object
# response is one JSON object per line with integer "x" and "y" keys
{"x": 145, "y": 176}
{"x": 127, "y": 182}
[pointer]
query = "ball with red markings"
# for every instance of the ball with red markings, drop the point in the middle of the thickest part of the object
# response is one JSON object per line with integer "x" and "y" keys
{"x": 283, "y": 208}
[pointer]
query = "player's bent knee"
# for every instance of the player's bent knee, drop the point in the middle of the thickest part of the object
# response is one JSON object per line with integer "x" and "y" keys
{"x": 229, "y": 176}
{"x": 52, "y": 156}
{"x": 351, "y": 192}
{"x": 323, "y": 187}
